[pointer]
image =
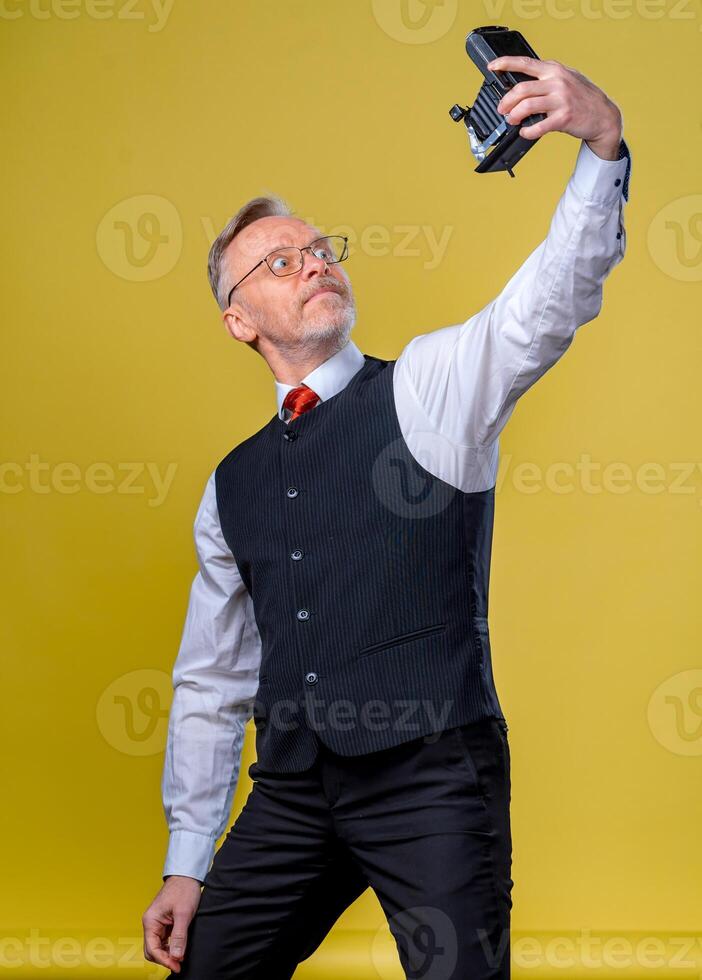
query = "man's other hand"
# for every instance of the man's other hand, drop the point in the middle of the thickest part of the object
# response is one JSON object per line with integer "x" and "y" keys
{"x": 167, "y": 919}
{"x": 570, "y": 100}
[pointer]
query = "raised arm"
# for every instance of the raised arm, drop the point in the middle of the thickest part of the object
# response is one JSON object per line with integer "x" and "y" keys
{"x": 463, "y": 381}
{"x": 215, "y": 678}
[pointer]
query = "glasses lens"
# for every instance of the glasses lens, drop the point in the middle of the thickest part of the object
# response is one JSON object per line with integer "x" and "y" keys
{"x": 284, "y": 261}
{"x": 331, "y": 249}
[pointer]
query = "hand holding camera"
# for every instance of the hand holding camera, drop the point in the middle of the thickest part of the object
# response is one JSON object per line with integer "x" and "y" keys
{"x": 522, "y": 98}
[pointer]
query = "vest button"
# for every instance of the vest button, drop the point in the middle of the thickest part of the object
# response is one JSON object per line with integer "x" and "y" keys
{"x": 303, "y": 614}
{"x": 290, "y": 434}
{"x": 617, "y": 182}
{"x": 296, "y": 555}
{"x": 292, "y": 491}
{"x": 311, "y": 677}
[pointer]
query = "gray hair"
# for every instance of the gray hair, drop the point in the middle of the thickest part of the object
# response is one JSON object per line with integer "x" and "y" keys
{"x": 257, "y": 207}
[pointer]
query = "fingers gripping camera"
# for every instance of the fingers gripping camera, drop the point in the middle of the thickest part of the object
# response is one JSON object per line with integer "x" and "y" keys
{"x": 494, "y": 143}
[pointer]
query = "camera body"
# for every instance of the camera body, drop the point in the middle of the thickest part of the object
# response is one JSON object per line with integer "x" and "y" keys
{"x": 486, "y": 127}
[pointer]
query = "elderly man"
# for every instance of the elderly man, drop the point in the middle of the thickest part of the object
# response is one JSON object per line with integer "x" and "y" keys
{"x": 342, "y": 595}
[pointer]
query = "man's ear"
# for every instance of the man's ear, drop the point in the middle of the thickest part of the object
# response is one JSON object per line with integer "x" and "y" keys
{"x": 237, "y": 323}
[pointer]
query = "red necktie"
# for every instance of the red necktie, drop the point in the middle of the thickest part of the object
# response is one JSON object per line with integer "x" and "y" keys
{"x": 299, "y": 400}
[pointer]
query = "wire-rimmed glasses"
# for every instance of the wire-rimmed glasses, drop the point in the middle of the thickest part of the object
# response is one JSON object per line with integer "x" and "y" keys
{"x": 289, "y": 259}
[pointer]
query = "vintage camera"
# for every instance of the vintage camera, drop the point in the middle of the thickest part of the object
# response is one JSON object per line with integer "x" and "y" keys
{"x": 486, "y": 127}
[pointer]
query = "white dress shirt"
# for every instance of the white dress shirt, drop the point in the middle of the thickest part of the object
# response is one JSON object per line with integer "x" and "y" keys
{"x": 454, "y": 389}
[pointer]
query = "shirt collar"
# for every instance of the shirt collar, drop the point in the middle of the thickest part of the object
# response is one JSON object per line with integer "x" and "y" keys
{"x": 327, "y": 378}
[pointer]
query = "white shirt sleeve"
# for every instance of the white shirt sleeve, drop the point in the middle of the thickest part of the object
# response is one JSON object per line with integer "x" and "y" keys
{"x": 461, "y": 383}
{"x": 215, "y": 679}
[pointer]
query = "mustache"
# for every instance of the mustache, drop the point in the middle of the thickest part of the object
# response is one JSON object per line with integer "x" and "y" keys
{"x": 325, "y": 282}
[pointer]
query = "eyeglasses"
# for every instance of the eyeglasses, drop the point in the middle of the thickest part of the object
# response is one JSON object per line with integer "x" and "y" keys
{"x": 288, "y": 259}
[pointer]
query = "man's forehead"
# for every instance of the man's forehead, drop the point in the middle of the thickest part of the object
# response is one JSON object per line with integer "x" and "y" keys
{"x": 265, "y": 234}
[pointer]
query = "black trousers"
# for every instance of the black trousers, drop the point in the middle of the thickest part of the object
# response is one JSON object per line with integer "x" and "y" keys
{"x": 425, "y": 824}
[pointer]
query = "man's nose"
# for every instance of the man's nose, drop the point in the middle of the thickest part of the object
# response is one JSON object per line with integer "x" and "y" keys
{"x": 312, "y": 265}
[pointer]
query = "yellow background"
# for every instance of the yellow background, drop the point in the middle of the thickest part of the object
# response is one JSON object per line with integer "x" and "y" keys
{"x": 117, "y": 367}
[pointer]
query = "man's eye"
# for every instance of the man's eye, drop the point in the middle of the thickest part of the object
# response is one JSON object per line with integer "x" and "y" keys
{"x": 279, "y": 263}
{"x": 322, "y": 253}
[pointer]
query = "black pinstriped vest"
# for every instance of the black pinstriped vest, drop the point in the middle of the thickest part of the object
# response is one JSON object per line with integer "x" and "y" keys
{"x": 368, "y": 576}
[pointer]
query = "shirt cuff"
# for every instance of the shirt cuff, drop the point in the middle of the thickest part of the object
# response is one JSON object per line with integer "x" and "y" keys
{"x": 189, "y": 854}
{"x": 601, "y": 181}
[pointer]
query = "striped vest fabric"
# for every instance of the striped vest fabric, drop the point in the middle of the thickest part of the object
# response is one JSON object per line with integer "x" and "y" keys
{"x": 368, "y": 577}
